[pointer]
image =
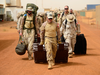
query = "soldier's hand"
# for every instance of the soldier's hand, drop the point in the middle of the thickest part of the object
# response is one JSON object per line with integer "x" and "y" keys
{"x": 78, "y": 34}
{"x": 41, "y": 43}
{"x": 20, "y": 34}
{"x": 59, "y": 42}
{"x": 18, "y": 31}
{"x": 38, "y": 35}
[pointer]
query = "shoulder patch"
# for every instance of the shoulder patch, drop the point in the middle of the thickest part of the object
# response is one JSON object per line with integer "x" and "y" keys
{"x": 25, "y": 14}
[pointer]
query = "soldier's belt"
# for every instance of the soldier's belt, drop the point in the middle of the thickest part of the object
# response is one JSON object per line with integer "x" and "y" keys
{"x": 50, "y": 37}
{"x": 28, "y": 28}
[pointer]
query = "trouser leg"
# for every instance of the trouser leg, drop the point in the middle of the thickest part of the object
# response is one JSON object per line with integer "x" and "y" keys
{"x": 73, "y": 43}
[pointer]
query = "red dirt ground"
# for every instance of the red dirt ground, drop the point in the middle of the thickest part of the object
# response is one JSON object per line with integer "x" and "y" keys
{"x": 13, "y": 64}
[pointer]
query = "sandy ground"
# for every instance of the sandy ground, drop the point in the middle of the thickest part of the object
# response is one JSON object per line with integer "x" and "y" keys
{"x": 13, "y": 64}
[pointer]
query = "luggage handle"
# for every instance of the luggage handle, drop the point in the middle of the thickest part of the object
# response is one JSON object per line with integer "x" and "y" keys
{"x": 20, "y": 39}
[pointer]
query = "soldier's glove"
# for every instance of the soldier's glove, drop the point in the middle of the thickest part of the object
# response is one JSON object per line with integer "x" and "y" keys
{"x": 78, "y": 34}
{"x": 41, "y": 43}
{"x": 38, "y": 35}
{"x": 59, "y": 42}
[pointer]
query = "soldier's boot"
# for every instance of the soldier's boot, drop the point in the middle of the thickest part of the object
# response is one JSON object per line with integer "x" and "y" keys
{"x": 53, "y": 62}
{"x": 49, "y": 64}
{"x": 29, "y": 56}
{"x": 70, "y": 55}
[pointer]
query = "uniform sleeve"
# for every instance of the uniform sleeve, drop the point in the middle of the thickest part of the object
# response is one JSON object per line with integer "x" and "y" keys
{"x": 58, "y": 32}
{"x": 19, "y": 23}
{"x": 37, "y": 26}
{"x": 78, "y": 29}
{"x": 42, "y": 31}
{"x": 22, "y": 23}
{"x": 60, "y": 21}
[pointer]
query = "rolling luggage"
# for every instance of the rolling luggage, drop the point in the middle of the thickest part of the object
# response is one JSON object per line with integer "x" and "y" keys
{"x": 40, "y": 53}
{"x": 81, "y": 45}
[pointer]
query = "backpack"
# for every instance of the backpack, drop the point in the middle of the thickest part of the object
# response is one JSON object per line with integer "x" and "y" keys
{"x": 35, "y": 8}
{"x": 62, "y": 14}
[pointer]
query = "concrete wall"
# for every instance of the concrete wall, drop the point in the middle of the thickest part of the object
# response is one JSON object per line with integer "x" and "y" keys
{"x": 98, "y": 15}
{"x": 14, "y": 12}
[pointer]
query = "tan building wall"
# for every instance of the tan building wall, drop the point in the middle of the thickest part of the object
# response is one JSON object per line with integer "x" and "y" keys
{"x": 98, "y": 15}
{"x": 86, "y": 20}
{"x": 90, "y": 14}
{"x": 46, "y": 10}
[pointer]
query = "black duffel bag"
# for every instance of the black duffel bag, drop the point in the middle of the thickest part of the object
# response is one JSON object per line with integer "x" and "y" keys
{"x": 20, "y": 48}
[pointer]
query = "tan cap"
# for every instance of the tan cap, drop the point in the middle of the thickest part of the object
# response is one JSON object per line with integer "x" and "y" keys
{"x": 49, "y": 15}
{"x": 70, "y": 18}
{"x": 58, "y": 12}
{"x": 29, "y": 9}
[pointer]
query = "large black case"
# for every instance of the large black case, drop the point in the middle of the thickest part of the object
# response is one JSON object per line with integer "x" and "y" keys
{"x": 39, "y": 53}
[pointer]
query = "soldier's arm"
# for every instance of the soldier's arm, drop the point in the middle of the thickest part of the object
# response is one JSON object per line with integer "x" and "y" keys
{"x": 78, "y": 29}
{"x": 18, "y": 24}
{"x": 22, "y": 23}
{"x": 62, "y": 28}
{"x": 58, "y": 32}
{"x": 37, "y": 26}
{"x": 42, "y": 31}
{"x": 60, "y": 21}
{"x": 40, "y": 23}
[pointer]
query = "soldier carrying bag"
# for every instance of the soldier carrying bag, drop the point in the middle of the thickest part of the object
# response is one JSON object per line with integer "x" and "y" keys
{"x": 20, "y": 48}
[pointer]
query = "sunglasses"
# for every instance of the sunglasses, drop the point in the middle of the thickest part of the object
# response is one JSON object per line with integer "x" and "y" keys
{"x": 50, "y": 18}
{"x": 66, "y": 8}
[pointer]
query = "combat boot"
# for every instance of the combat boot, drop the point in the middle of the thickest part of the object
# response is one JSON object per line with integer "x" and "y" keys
{"x": 29, "y": 57}
{"x": 53, "y": 62}
{"x": 49, "y": 64}
{"x": 70, "y": 55}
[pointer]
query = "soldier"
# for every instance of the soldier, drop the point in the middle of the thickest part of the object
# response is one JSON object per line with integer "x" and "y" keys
{"x": 64, "y": 15}
{"x": 57, "y": 18}
{"x": 39, "y": 20}
{"x": 28, "y": 29}
{"x": 49, "y": 30}
{"x": 62, "y": 18}
{"x": 72, "y": 12}
{"x": 69, "y": 30}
